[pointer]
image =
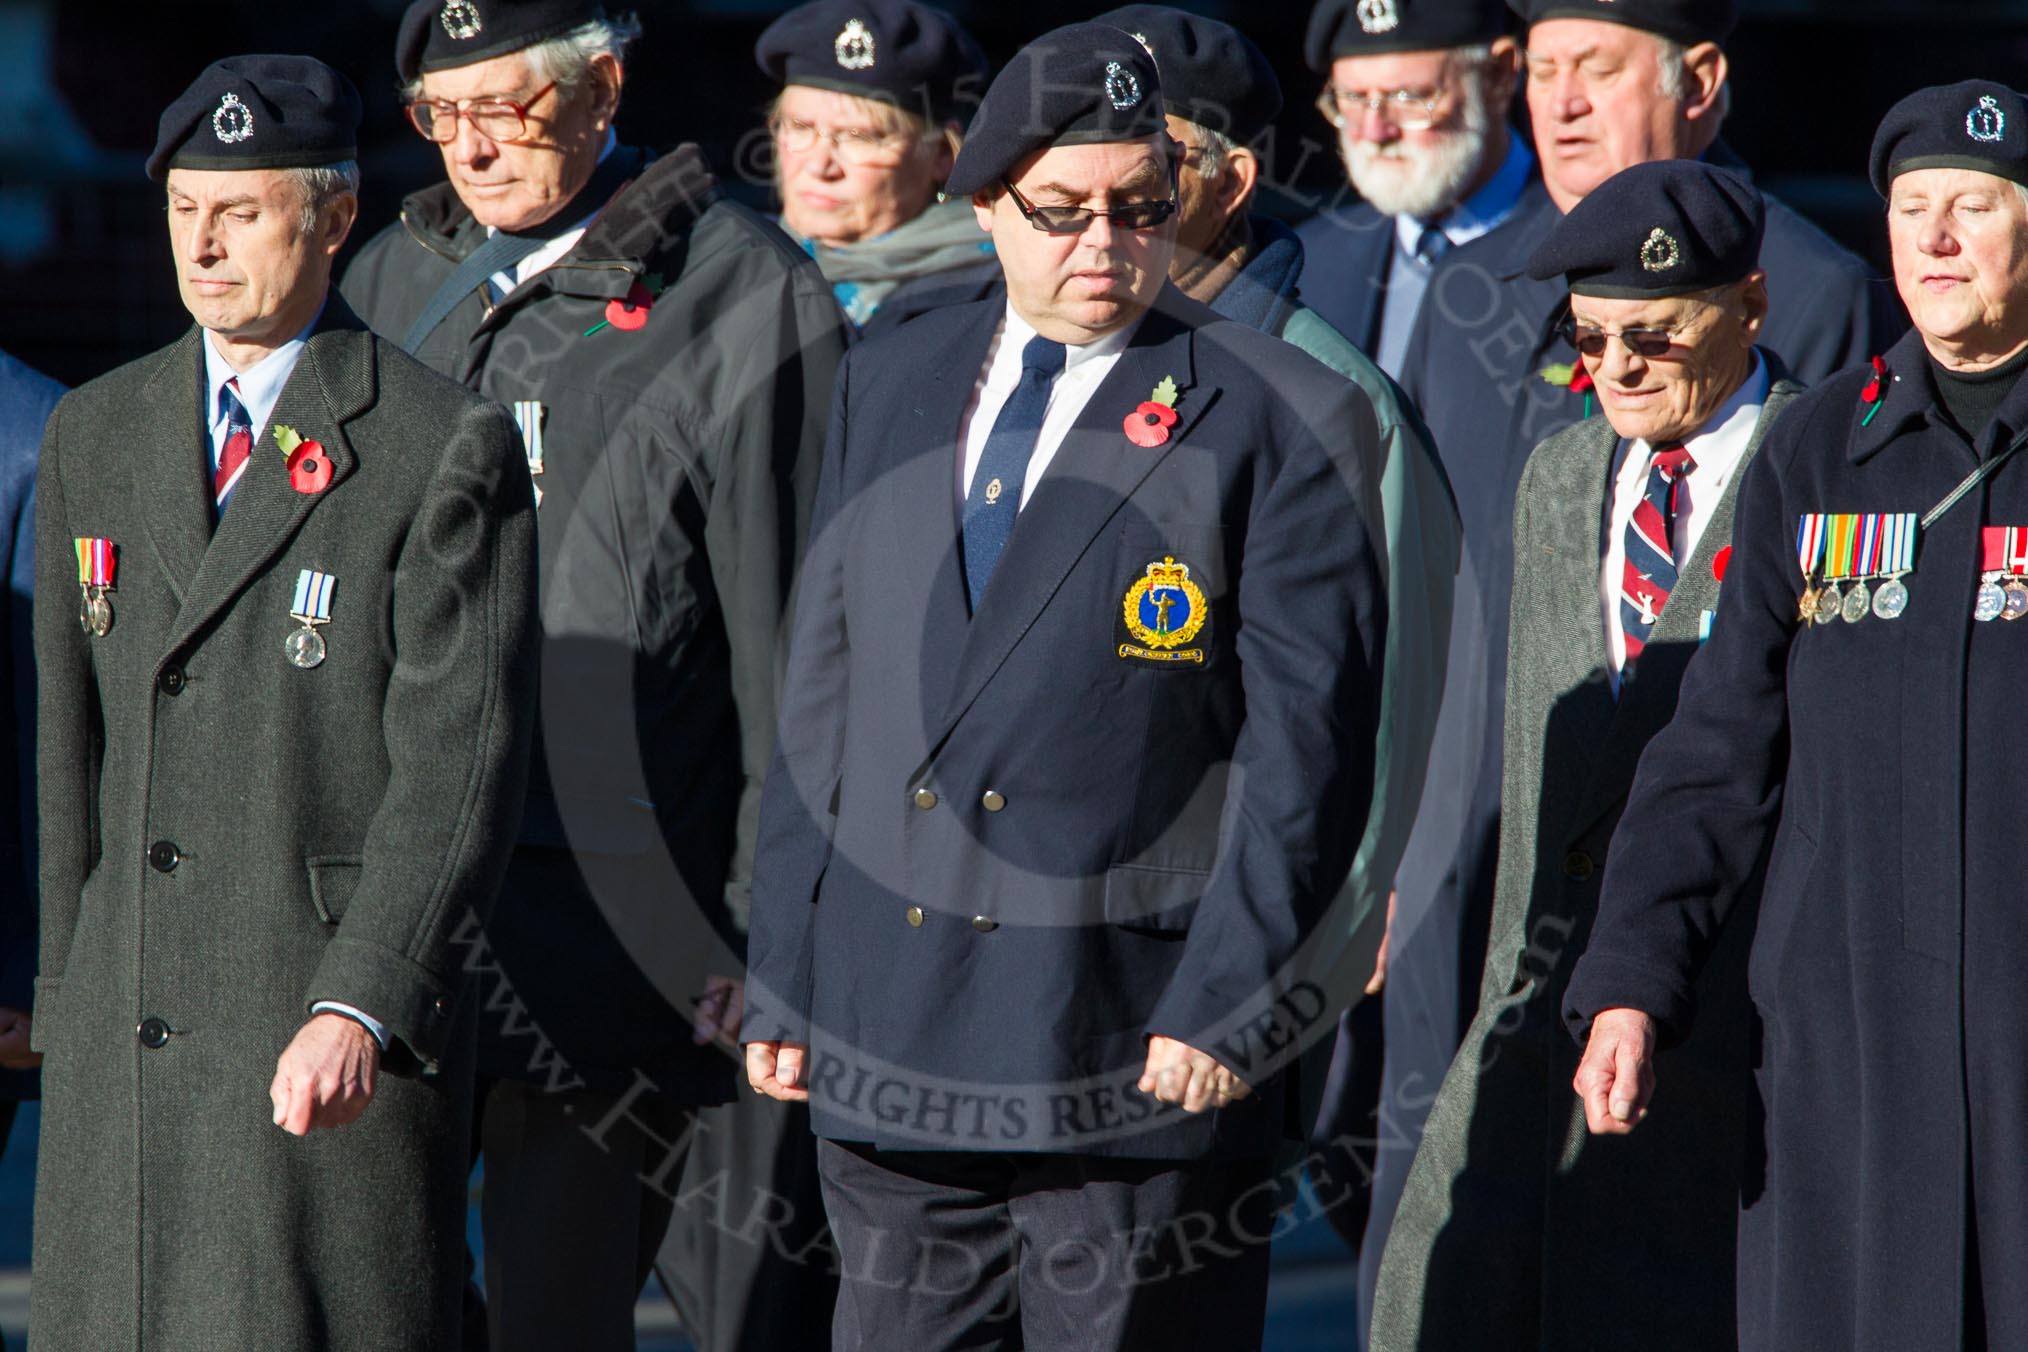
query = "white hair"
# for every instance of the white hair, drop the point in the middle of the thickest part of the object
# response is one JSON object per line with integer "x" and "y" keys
{"x": 567, "y": 59}
{"x": 322, "y": 184}
{"x": 1214, "y": 151}
{"x": 1673, "y": 81}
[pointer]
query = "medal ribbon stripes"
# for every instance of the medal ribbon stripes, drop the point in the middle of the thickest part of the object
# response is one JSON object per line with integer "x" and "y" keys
{"x": 2006, "y": 550}
{"x": 528, "y": 417}
{"x": 96, "y": 562}
{"x": 313, "y": 597}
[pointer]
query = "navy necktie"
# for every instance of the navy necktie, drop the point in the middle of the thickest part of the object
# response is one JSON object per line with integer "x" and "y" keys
{"x": 995, "y": 498}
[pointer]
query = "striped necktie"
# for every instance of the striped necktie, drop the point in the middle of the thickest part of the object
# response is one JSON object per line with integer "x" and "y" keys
{"x": 995, "y": 497}
{"x": 1650, "y": 573}
{"x": 232, "y": 457}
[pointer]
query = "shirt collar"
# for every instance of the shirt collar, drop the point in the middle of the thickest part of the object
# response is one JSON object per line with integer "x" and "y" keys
{"x": 1485, "y": 210}
{"x": 1016, "y": 332}
{"x": 260, "y": 385}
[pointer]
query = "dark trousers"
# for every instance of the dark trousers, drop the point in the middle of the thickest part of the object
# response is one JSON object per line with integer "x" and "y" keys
{"x": 570, "y": 1227}
{"x": 1046, "y": 1253}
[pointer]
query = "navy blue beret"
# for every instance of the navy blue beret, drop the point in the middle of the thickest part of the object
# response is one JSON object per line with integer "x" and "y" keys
{"x": 259, "y": 112}
{"x": 1688, "y": 22}
{"x": 1081, "y": 85}
{"x": 444, "y": 34}
{"x": 910, "y": 55}
{"x": 1664, "y": 228}
{"x": 1974, "y": 124}
{"x": 1212, "y": 74}
{"x": 1378, "y": 27}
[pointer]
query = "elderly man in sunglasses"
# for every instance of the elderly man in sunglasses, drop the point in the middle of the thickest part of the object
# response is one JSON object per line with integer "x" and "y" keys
{"x": 1511, "y": 1227}
{"x": 668, "y": 356}
{"x": 1082, "y": 692}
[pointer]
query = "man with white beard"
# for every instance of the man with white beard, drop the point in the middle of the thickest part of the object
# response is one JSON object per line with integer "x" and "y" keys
{"x": 1418, "y": 90}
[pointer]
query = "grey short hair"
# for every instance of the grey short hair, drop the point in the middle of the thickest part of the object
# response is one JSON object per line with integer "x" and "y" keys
{"x": 1671, "y": 59}
{"x": 1214, "y": 151}
{"x": 323, "y": 184}
{"x": 567, "y": 59}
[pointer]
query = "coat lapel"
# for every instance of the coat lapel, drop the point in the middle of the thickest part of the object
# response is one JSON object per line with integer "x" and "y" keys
{"x": 333, "y": 382}
{"x": 1582, "y": 717}
{"x": 175, "y": 498}
{"x": 1094, "y": 472}
{"x": 1646, "y": 705}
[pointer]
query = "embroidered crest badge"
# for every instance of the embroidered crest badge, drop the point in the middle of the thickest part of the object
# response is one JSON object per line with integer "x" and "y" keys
{"x": 1660, "y": 252}
{"x": 1123, "y": 87}
{"x": 1165, "y": 610}
{"x": 855, "y": 48}
{"x": 1986, "y": 123}
{"x": 1378, "y": 16}
{"x": 232, "y": 121}
{"x": 461, "y": 20}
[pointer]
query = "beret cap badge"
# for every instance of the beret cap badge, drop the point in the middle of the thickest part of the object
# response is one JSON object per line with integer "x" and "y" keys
{"x": 855, "y": 48}
{"x": 1123, "y": 88}
{"x": 1986, "y": 123}
{"x": 461, "y": 19}
{"x": 1660, "y": 252}
{"x": 1378, "y": 16}
{"x": 232, "y": 122}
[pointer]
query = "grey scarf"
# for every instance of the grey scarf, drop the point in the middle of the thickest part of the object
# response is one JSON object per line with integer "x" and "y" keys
{"x": 865, "y": 274}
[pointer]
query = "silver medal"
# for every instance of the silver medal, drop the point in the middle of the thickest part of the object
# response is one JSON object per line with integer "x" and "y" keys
{"x": 304, "y": 648}
{"x": 2015, "y": 603}
{"x": 1856, "y": 604}
{"x": 1991, "y": 601}
{"x": 1829, "y": 604}
{"x": 1891, "y": 600}
{"x": 95, "y": 613}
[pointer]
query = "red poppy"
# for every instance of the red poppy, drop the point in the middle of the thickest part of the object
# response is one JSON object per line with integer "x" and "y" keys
{"x": 1580, "y": 380}
{"x": 1871, "y": 394}
{"x": 1721, "y": 563}
{"x": 632, "y": 312}
{"x": 1149, "y": 424}
{"x": 309, "y": 468}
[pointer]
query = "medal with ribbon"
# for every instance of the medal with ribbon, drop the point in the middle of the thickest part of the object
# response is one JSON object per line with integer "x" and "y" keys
{"x": 2002, "y": 594}
{"x": 1809, "y": 553}
{"x": 305, "y": 647}
{"x": 1856, "y": 547}
{"x": 97, "y": 560}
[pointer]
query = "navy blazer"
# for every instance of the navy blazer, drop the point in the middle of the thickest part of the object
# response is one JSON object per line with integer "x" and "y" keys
{"x": 1350, "y": 255}
{"x": 998, "y": 851}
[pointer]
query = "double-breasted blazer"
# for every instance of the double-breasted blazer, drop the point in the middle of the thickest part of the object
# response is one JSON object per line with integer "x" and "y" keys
{"x": 1000, "y": 849}
{"x": 228, "y": 838}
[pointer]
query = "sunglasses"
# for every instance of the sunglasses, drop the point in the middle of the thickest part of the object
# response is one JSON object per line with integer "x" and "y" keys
{"x": 1647, "y": 344}
{"x": 1076, "y": 220}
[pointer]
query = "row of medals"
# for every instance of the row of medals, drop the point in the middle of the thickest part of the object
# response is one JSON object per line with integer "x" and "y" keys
{"x": 304, "y": 647}
{"x": 1827, "y": 605}
{"x": 1996, "y": 602}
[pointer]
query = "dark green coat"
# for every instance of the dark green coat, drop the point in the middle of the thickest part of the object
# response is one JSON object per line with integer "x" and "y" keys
{"x": 227, "y": 838}
{"x": 1516, "y": 1228}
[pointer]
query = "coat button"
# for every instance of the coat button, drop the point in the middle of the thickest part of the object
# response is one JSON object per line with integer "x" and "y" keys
{"x": 442, "y": 1005}
{"x": 172, "y": 681}
{"x": 925, "y": 799}
{"x": 163, "y": 856}
{"x": 994, "y": 800}
{"x": 914, "y": 914}
{"x": 984, "y": 924}
{"x": 153, "y": 1033}
{"x": 1577, "y": 864}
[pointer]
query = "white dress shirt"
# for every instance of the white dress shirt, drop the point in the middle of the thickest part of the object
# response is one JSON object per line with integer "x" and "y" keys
{"x": 1716, "y": 451}
{"x": 1084, "y": 369}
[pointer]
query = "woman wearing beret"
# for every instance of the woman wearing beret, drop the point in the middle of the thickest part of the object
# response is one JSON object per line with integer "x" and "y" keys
{"x": 1850, "y": 737}
{"x": 865, "y": 131}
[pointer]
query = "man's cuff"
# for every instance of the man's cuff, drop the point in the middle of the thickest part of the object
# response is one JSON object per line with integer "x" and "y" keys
{"x": 361, "y": 1017}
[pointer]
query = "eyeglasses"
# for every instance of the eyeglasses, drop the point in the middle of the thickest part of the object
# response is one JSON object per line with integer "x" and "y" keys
{"x": 1647, "y": 344}
{"x": 853, "y": 145}
{"x": 1076, "y": 220}
{"x": 1407, "y": 109}
{"x": 496, "y": 119}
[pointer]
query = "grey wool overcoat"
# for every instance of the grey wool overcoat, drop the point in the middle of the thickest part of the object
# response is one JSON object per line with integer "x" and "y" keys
{"x": 227, "y": 838}
{"x": 1516, "y": 1228}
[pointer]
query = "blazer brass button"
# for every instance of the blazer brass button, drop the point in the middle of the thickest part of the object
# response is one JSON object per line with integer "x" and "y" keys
{"x": 154, "y": 1034}
{"x": 1577, "y": 864}
{"x": 163, "y": 856}
{"x": 925, "y": 799}
{"x": 985, "y": 924}
{"x": 914, "y": 914}
{"x": 994, "y": 800}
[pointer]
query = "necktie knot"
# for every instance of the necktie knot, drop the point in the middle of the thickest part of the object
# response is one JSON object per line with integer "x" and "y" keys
{"x": 1674, "y": 462}
{"x": 1432, "y": 245}
{"x": 1043, "y": 356}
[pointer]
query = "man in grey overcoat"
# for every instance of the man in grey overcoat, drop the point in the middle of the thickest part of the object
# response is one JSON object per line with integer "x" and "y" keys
{"x": 1510, "y": 1230}
{"x": 284, "y": 592}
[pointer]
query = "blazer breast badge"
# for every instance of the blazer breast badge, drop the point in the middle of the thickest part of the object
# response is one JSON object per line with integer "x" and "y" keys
{"x": 1164, "y": 610}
